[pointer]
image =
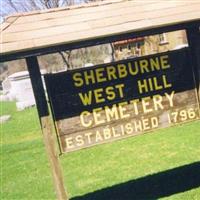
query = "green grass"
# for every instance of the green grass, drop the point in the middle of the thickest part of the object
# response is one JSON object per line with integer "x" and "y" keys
{"x": 25, "y": 172}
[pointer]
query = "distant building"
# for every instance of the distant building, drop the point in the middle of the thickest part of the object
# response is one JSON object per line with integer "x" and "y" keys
{"x": 149, "y": 45}
{"x": 129, "y": 48}
{"x": 165, "y": 42}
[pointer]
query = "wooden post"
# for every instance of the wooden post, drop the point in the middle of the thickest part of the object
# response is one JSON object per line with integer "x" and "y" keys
{"x": 45, "y": 121}
{"x": 193, "y": 36}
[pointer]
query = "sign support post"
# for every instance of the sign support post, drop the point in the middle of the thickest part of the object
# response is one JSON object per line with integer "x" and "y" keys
{"x": 44, "y": 116}
{"x": 193, "y": 36}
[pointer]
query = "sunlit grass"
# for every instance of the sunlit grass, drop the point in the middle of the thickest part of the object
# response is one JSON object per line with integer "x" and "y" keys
{"x": 26, "y": 174}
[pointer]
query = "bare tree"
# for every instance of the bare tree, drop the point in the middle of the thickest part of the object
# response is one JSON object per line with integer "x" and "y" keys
{"x": 112, "y": 52}
{"x": 17, "y": 6}
{"x": 13, "y": 6}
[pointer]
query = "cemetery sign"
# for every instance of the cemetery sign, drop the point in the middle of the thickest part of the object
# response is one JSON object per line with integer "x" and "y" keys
{"x": 112, "y": 101}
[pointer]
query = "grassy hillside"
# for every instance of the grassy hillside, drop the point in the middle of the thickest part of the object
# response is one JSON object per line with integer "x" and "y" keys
{"x": 159, "y": 165}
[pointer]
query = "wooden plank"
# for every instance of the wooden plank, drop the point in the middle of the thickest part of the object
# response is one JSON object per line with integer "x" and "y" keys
{"x": 103, "y": 19}
{"x": 141, "y": 16}
{"x": 172, "y": 14}
{"x": 106, "y": 31}
{"x": 171, "y": 20}
{"x": 138, "y": 9}
{"x": 94, "y": 33}
{"x": 81, "y": 11}
{"x": 58, "y": 38}
{"x": 77, "y": 37}
{"x": 39, "y": 93}
{"x": 42, "y": 33}
{"x": 70, "y": 20}
{"x": 48, "y": 49}
{"x": 105, "y": 8}
{"x": 16, "y": 46}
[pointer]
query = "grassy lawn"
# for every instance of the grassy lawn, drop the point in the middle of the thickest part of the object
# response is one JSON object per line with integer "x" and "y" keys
{"x": 160, "y": 165}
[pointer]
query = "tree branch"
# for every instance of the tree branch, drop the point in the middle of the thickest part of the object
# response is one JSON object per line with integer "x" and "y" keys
{"x": 64, "y": 59}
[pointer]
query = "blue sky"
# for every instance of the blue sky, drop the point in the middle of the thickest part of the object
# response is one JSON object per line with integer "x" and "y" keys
{"x": 5, "y": 9}
{"x": 1, "y": 19}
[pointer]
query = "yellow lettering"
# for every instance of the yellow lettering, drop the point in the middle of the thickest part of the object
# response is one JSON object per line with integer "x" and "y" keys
{"x": 107, "y": 133}
{"x": 79, "y": 140}
{"x": 99, "y": 75}
{"x": 86, "y": 98}
{"x": 110, "y": 93}
{"x": 154, "y": 122}
{"x": 164, "y": 60}
{"x": 145, "y": 123}
{"x": 154, "y": 64}
{"x": 131, "y": 71}
{"x": 138, "y": 126}
{"x": 89, "y": 77}
{"x": 170, "y": 98}
{"x": 69, "y": 142}
{"x": 83, "y": 115}
{"x": 122, "y": 109}
{"x": 122, "y": 70}
{"x": 135, "y": 104}
{"x": 119, "y": 87}
{"x": 111, "y": 72}
{"x": 98, "y": 136}
{"x": 142, "y": 86}
{"x": 129, "y": 128}
{"x": 77, "y": 77}
{"x": 145, "y": 104}
{"x": 97, "y": 115}
{"x": 150, "y": 84}
{"x": 166, "y": 85}
{"x": 144, "y": 66}
{"x": 98, "y": 95}
{"x": 115, "y": 134}
{"x": 88, "y": 135}
{"x": 111, "y": 113}
{"x": 157, "y": 86}
{"x": 157, "y": 100}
